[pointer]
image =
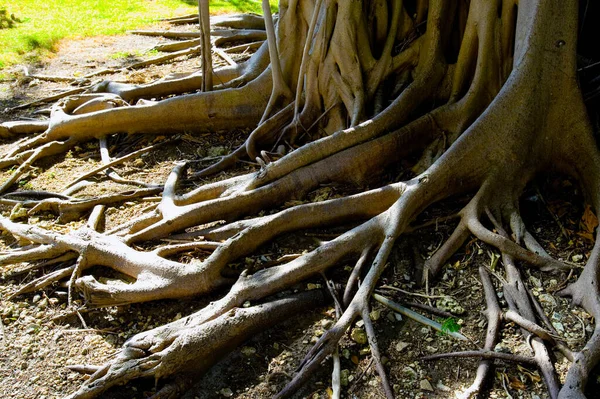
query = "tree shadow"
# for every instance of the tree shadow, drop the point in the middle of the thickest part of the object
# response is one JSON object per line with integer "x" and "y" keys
{"x": 7, "y": 21}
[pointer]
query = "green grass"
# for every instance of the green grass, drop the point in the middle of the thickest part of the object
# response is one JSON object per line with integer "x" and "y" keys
{"x": 46, "y": 22}
{"x": 229, "y": 6}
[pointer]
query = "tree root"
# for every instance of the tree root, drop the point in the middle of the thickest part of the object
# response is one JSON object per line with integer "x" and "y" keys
{"x": 169, "y": 352}
{"x": 366, "y": 94}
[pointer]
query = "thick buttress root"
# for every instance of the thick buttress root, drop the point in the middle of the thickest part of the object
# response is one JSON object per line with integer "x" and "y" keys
{"x": 471, "y": 86}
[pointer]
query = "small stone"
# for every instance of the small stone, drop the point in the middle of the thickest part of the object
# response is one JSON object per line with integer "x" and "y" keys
{"x": 397, "y": 316}
{"x": 246, "y": 304}
{"x": 558, "y": 326}
{"x": 226, "y": 392}
{"x": 425, "y": 385}
{"x": 36, "y": 299}
{"x": 589, "y": 328}
{"x": 360, "y": 324}
{"x": 18, "y": 212}
{"x": 425, "y": 330}
{"x": 326, "y": 323}
{"x": 431, "y": 349}
{"x": 577, "y": 258}
{"x": 359, "y": 336}
{"x": 400, "y": 346}
{"x": 440, "y": 385}
{"x": 139, "y": 163}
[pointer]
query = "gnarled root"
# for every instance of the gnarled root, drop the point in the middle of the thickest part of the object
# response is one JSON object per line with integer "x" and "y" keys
{"x": 166, "y": 352}
{"x": 496, "y": 129}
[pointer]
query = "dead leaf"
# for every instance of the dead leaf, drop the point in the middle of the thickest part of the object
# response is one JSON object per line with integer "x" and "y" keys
{"x": 589, "y": 219}
{"x": 515, "y": 383}
{"x": 587, "y": 236}
{"x": 354, "y": 359}
{"x": 533, "y": 376}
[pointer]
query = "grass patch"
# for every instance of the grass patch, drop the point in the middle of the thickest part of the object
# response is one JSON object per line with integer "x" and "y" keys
{"x": 43, "y": 23}
{"x": 233, "y": 6}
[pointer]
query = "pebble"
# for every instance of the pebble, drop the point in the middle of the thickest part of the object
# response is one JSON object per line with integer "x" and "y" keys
{"x": 359, "y": 336}
{"x": 425, "y": 385}
{"x": 326, "y": 323}
{"x": 400, "y": 346}
{"x": 375, "y": 315}
{"x": 226, "y": 392}
{"x": 589, "y": 328}
{"x": 440, "y": 385}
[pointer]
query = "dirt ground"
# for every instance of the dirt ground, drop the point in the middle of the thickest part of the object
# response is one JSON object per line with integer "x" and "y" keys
{"x": 39, "y": 337}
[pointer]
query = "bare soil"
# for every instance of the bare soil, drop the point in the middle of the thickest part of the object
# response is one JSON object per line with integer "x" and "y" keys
{"x": 39, "y": 338}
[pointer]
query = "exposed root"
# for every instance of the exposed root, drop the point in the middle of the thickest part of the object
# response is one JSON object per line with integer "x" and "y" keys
{"x": 358, "y": 86}
{"x": 139, "y": 358}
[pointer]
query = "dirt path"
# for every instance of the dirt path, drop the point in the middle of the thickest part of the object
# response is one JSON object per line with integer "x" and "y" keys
{"x": 39, "y": 338}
